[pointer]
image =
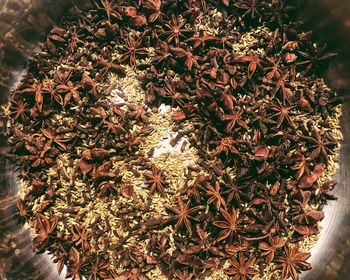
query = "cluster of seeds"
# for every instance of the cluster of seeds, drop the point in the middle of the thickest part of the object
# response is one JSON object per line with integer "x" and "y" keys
{"x": 188, "y": 139}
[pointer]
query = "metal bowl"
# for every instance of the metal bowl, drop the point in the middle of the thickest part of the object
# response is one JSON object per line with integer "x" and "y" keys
{"x": 24, "y": 23}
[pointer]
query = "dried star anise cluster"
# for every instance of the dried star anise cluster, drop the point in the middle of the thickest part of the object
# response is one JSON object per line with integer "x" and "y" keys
{"x": 263, "y": 126}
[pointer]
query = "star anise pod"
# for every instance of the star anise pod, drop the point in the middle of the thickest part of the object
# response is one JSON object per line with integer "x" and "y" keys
{"x": 242, "y": 269}
{"x": 74, "y": 268}
{"x": 184, "y": 214}
{"x": 183, "y": 275}
{"x": 110, "y": 7}
{"x": 106, "y": 66}
{"x": 36, "y": 90}
{"x": 301, "y": 165}
{"x": 188, "y": 56}
{"x": 321, "y": 146}
{"x": 60, "y": 140}
{"x": 234, "y": 120}
{"x": 18, "y": 110}
{"x": 71, "y": 92}
{"x": 234, "y": 192}
{"x": 23, "y": 210}
{"x": 215, "y": 195}
{"x": 49, "y": 87}
{"x": 254, "y": 62}
{"x": 44, "y": 227}
{"x": 175, "y": 30}
{"x": 99, "y": 269}
{"x": 270, "y": 248}
{"x": 229, "y": 226}
{"x": 282, "y": 114}
{"x": 163, "y": 55}
{"x": 131, "y": 49}
{"x": 226, "y": 146}
{"x": 292, "y": 262}
{"x": 81, "y": 237}
{"x": 154, "y": 6}
{"x": 273, "y": 70}
{"x": 204, "y": 244}
{"x": 201, "y": 40}
{"x": 314, "y": 58}
{"x": 155, "y": 180}
{"x": 324, "y": 192}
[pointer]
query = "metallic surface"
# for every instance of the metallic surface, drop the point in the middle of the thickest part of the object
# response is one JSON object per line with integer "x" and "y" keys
{"x": 24, "y": 23}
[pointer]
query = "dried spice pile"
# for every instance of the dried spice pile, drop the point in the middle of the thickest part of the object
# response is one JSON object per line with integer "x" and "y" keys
{"x": 176, "y": 140}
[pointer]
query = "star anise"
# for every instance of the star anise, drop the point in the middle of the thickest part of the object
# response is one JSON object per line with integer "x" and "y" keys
{"x": 163, "y": 55}
{"x": 234, "y": 119}
{"x": 99, "y": 269}
{"x": 171, "y": 90}
{"x": 75, "y": 38}
{"x": 227, "y": 98}
{"x": 23, "y": 209}
{"x": 71, "y": 91}
{"x": 308, "y": 180}
{"x": 49, "y": 87}
{"x": 201, "y": 40}
{"x": 18, "y": 110}
{"x": 155, "y": 180}
{"x": 74, "y": 268}
{"x": 53, "y": 138}
{"x": 36, "y": 90}
{"x": 268, "y": 202}
{"x": 315, "y": 58}
{"x": 271, "y": 247}
{"x": 55, "y": 39}
{"x": 261, "y": 121}
{"x": 229, "y": 226}
{"x": 44, "y": 227}
{"x": 242, "y": 269}
{"x": 184, "y": 214}
{"x": 183, "y": 275}
{"x": 282, "y": 113}
{"x": 321, "y": 146}
{"x": 137, "y": 112}
{"x": 154, "y": 6}
{"x": 226, "y": 146}
{"x": 324, "y": 192}
{"x": 204, "y": 244}
{"x": 281, "y": 86}
{"x": 175, "y": 30}
{"x": 292, "y": 262}
{"x": 303, "y": 212}
{"x": 133, "y": 274}
{"x": 131, "y": 49}
{"x": 81, "y": 238}
{"x": 107, "y": 66}
{"x": 254, "y": 62}
{"x": 215, "y": 195}
{"x": 187, "y": 54}
{"x": 110, "y": 7}
{"x": 234, "y": 192}
{"x": 273, "y": 70}
{"x": 301, "y": 165}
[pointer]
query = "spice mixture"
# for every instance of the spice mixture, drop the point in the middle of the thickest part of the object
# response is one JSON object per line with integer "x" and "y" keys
{"x": 189, "y": 139}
